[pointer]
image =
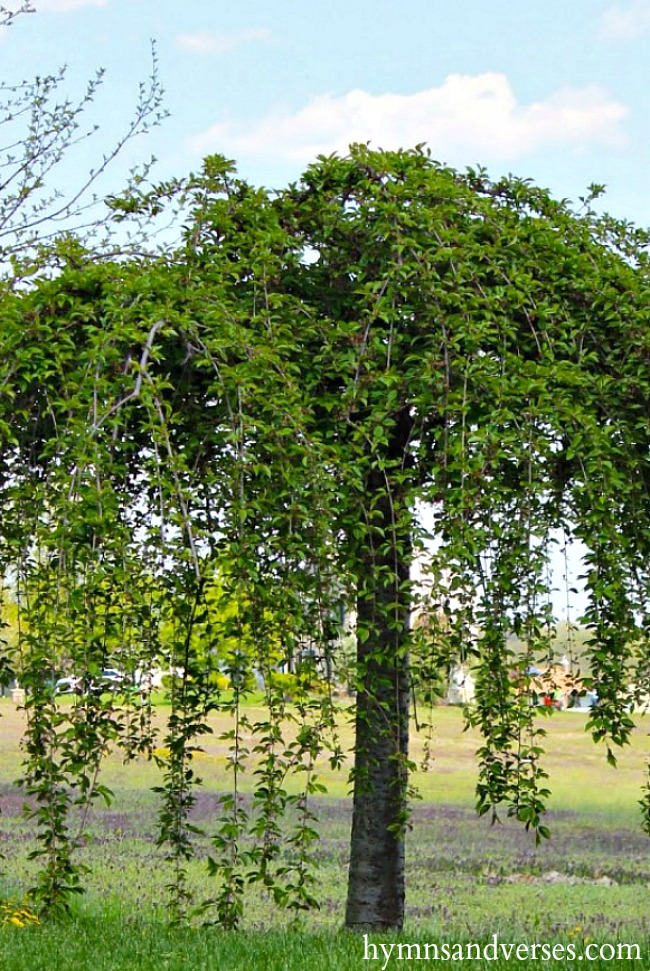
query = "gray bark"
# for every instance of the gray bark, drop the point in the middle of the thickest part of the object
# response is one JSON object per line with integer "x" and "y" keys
{"x": 376, "y": 882}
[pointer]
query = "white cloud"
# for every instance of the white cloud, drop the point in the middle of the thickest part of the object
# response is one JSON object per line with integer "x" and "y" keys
{"x": 467, "y": 117}
{"x": 206, "y": 42}
{"x": 625, "y": 21}
{"x": 62, "y": 6}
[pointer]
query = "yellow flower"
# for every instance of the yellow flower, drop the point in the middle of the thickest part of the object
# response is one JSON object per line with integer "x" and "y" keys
{"x": 19, "y": 917}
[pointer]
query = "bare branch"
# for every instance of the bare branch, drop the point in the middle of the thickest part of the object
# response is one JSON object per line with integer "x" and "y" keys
{"x": 8, "y": 16}
{"x": 42, "y": 128}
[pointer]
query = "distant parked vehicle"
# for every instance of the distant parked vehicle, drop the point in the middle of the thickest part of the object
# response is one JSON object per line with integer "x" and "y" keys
{"x": 66, "y": 686}
{"x": 154, "y": 679}
{"x": 110, "y": 679}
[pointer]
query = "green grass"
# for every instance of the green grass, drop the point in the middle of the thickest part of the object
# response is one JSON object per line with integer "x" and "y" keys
{"x": 466, "y": 879}
{"x": 123, "y": 943}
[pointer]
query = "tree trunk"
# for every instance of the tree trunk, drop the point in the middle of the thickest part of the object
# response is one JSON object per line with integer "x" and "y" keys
{"x": 376, "y": 882}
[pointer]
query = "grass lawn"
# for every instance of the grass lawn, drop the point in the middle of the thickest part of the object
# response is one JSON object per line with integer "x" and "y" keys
{"x": 466, "y": 879}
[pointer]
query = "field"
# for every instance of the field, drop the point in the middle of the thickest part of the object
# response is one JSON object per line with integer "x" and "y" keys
{"x": 467, "y": 879}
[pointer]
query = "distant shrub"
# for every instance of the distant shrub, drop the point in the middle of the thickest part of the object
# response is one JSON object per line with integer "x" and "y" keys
{"x": 220, "y": 681}
{"x": 287, "y": 684}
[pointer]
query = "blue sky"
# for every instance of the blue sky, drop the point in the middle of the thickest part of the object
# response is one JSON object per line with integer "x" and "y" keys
{"x": 546, "y": 89}
{"x": 552, "y": 90}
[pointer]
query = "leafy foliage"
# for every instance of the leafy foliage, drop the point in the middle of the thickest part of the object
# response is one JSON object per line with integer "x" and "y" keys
{"x": 214, "y": 452}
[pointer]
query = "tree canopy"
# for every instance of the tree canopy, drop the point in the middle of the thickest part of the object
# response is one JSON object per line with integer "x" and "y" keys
{"x": 266, "y": 407}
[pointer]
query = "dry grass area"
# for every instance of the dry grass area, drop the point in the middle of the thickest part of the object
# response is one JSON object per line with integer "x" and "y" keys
{"x": 579, "y": 773}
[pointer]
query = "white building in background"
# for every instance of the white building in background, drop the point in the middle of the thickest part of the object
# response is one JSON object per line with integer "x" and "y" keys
{"x": 462, "y": 689}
